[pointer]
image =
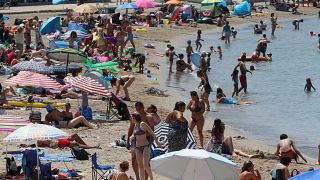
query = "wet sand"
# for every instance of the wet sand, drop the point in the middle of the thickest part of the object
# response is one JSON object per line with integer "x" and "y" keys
{"x": 108, "y": 132}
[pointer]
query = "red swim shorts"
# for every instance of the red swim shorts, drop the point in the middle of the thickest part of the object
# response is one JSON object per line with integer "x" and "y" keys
{"x": 243, "y": 80}
{"x": 62, "y": 143}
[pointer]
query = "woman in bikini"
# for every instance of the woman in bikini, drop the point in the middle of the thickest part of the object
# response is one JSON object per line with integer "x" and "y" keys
{"x": 142, "y": 145}
{"x": 197, "y": 108}
{"x": 124, "y": 81}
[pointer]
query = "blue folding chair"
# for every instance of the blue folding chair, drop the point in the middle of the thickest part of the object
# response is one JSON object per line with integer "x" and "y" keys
{"x": 99, "y": 171}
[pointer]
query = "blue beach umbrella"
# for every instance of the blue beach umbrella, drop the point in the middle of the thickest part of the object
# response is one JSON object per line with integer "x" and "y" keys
{"x": 51, "y": 25}
{"x": 55, "y": 2}
{"x": 310, "y": 175}
{"x": 126, "y": 6}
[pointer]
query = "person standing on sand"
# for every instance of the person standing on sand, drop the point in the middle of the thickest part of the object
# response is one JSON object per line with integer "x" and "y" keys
{"x": 273, "y": 23}
{"x": 281, "y": 171}
{"x": 286, "y": 148}
{"x": 129, "y": 35}
{"x": 197, "y": 108}
{"x": 248, "y": 172}
{"x": 243, "y": 73}
{"x": 148, "y": 119}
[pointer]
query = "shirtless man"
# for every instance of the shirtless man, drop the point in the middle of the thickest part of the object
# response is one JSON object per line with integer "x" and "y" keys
{"x": 129, "y": 35}
{"x": 248, "y": 172}
{"x": 109, "y": 27}
{"x": 147, "y": 118}
{"x": 273, "y": 23}
{"x": 286, "y": 148}
{"x": 243, "y": 72}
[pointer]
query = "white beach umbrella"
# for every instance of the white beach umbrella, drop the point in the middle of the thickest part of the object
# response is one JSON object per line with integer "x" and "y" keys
{"x": 191, "y": 164}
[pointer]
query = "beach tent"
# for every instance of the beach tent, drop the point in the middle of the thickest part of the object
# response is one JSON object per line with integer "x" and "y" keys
{"x": 176, "y": 13}
{"x": 186, "y": 11}
{"x": 55, "y": 2}
{"x": 51, "y": 25}
{"x": 215, "y": 10}
{"x": 209, "y": 2}
{"x": 76, "y": 26}
{"x": 242, "y": 9}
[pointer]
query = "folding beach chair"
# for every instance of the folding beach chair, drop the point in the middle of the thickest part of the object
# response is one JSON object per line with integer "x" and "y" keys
{"x": 99, "y": 172}
{"x": 117, "y": 108}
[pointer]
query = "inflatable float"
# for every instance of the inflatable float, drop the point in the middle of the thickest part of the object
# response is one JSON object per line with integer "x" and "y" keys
{"x": 261, "y": 58}
{"x": 195, "y": 59}
{"x": 148, "y": 45}
{"x": 141, "y": 30}
{"x": 34, "y": 105}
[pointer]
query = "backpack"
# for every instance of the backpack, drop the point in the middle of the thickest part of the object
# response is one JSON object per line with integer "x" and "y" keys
{"x": 35, "y": 117}
{"x": 80, "y": 154}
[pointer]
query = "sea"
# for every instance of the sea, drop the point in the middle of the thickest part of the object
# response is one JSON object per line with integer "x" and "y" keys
{"x": 276, "y": 89}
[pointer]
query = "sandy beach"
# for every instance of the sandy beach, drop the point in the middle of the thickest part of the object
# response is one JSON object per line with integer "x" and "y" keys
{"x": 108, "y": 132}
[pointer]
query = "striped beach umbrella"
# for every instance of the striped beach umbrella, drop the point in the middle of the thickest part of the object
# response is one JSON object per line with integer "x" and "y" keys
{"x": 35, "y": 132}
{"x": 87, "y": 84}
{"x": 32, "y": 66}
{"x": 12, "y": 125}
{"x": 162, "y": 130}
{"x": 32, "y": 79}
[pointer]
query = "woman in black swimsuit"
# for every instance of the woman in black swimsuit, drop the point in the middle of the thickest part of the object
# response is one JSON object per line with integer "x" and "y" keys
{"x": 142, "y": 145}
{"x": 205, "y": 88}
{"x": 197, "y": 108}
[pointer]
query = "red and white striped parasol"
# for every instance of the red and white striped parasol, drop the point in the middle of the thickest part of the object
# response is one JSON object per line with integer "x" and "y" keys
{"x": 88, "y": 85}
{"x": 32, "y": 79}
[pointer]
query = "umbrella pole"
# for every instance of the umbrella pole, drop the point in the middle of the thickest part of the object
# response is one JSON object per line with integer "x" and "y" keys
{"x": 67, "y": 64}
{"x": 38, "y": 163}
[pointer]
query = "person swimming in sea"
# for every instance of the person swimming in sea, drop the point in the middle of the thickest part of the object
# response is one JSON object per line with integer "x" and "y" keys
{"x": 309, "y": 85}
{"x": 224, "y": 100}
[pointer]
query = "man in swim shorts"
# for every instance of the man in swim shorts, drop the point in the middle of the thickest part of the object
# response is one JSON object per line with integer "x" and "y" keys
{"x": 286, "y": 148}
{"x": 243, "y": 72}
{"x": 129, "y": 35}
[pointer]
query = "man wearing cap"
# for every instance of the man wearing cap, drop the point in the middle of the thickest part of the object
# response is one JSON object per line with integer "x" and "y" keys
{"x": 243, "y": 72}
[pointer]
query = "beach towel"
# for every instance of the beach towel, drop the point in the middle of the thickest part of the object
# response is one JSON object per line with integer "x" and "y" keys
{"x": 50, "y": 157}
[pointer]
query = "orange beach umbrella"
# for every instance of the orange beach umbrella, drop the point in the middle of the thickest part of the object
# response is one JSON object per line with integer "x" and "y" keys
{"x": 173, "y": 2}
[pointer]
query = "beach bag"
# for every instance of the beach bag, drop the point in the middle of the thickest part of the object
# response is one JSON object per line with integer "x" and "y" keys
{"x": 80, "y": 154}
{"x": 35, "y": 117}
{"x": 214, "y": 147}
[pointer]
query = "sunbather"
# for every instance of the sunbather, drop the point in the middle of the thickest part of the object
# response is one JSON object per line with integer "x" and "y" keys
{"x": 74, "y": 141}
{"x": 3, "y": 96}
{"x": 65, "y": 118}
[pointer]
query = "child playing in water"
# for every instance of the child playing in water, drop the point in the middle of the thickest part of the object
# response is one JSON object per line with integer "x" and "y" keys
{"x": 308, "y": 85}
{"x": 233, "y": 32}
{"x": 171, "y": 56}
{"x": 235, "y": 80}
{"x": 189, "y": 51}
{"x": 219, "y": 52}
{"x": 211, "y": 49}
{"x": 263, "y": 26}
{"x": 296, "y": 23}
{"x": 168, "y": 49}
{"x": 198, "y": 44}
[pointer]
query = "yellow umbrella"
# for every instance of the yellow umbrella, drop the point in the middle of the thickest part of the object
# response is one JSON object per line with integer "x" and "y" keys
{"x": 173, "y": 2}
{"x": 85, "y": 8}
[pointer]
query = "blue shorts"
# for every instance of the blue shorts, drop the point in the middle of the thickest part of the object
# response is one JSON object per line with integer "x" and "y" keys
{"x": 130, "y": 37}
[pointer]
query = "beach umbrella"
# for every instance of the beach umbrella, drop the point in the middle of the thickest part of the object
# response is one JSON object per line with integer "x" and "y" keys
{"x": 310, "y": 175}
{"x": 85, "y": 8}
{"x": 32, "y": 79}
{"x": 76, "y": 26}
{"x": 34, "y": 132}
{"x": 11, "y": 124}
{"x": 194, "y": 164}
{"x": 32, "y": 66}
{"x": 126, "y": 6}
{"x": 87, "y": 84}
{"x": 173, "y": 2}
{"x": 210, "y": 1}
{"x": 97, "y": 77}
{"x": 51, "y": 25}
{"x": 146, "y": 4}
{"x": 162, "y": 130}
{"x": 68, "y": 55}
{"x": 80, "y": 34}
